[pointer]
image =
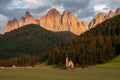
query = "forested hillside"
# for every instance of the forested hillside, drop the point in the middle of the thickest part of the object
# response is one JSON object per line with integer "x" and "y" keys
{"x": 97, "y": 45}
{"x": 30, "y": 40}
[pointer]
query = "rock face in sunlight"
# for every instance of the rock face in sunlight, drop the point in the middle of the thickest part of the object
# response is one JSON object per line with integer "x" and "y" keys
{"x": 29, "y": 19}
{"x": 85, "y": 26}
{"x": 53, "y": 21}
{"x": 22, "y": 21}
{"x": 101, "y": 17}
{"x": 71, "y": 23}
{"x": 110, "y": 14}
{"x": 117, "y": 11}
{"x": 11, "y": 25}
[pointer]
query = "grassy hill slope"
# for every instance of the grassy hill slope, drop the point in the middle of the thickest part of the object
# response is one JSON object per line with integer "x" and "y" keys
{"x": 114, "y": 63}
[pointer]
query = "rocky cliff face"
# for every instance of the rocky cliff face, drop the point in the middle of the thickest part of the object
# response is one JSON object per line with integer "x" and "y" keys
{"x": 85, "y": 26}
{"x": 110, "y": 14}
{"x": 11, "y": 25}
{"x": 100, "y": 18}
{"x": 14, "y": 24}
{"x": 22, "y": 21}
{"x": 51, "y": 21}
{"x": 54, "y": 21}
{"x": 117, "y": 11}
{"x": 29, "y": 19}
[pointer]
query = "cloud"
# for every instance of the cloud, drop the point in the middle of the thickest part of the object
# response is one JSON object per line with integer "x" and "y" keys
{"x": 84, "y": 13}
{"x": 3, "y": 22}
{"x": 40, "y": 11}
{"x": 108, "y": 4}
{"x": 114, "y": 4}
{"x": 16, "y": 8}
{"x": 101, "y": 8}
{"x": 5, "y": 2}
{"x": 32, "y": 4}
{"x": 77, "y": 7}
{"x": 73, "y": 5}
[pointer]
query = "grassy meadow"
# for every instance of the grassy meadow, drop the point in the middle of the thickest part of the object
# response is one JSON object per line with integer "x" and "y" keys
{"x": 107, "y": 71}
{"x": 115, "y": 63}
{"x": 47, "y": 73}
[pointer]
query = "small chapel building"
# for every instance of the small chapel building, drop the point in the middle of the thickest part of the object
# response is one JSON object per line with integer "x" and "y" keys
{"x": 69, "y": 63}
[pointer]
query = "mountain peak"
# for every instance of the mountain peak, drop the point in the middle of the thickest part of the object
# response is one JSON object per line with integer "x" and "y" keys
{"x": 22, "y": 21}
{"x": 22, "y": 17}
{"x": 53, "y": 11}
{"x": 29, "y": 19}
{"x": 100, "y": 18}
{"x": 110, "y": 14}
{"x": 28, "y": 13}
{"x": 15, "y": 20}
{"x": 53, "y": 21}
{"x": 71, "y": 14}
{"x": 117, "y": 11}
{"x": 100, "y": 15}
{"x": 64, "y": 13}
{"x": 11, "y": 25}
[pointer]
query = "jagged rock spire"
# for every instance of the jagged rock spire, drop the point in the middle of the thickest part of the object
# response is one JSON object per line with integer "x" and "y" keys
{"x": 22, "y": 21}
{"x": 14, "y": 24}
{"x": 110, "y": 14}
{"x": 54, "y": 21}
{"x": 29, "y": 19}
{"x": 11, "y": 25}
{"x": 28, "y": 13}
{"x": 100, "y": 18}
{"x": 117, "y": 11}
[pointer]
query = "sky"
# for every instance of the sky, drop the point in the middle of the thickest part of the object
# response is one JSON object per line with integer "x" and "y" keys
{"x": 85, "y": 10}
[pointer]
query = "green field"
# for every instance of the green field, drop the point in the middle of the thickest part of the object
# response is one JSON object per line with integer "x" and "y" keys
{"x": 47, "y": 73}
{"x": 107, "y": 71}
{"x": 115, "y": 63}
